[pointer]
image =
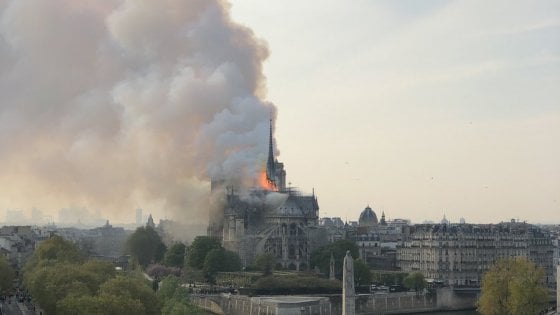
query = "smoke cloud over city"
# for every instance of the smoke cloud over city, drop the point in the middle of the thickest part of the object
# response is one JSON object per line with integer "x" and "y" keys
{"x": 112, "y": 105}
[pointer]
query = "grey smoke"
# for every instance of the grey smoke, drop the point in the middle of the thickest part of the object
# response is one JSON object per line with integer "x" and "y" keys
{"x": 270, "y": 199}
{"x": 113, "y": 104}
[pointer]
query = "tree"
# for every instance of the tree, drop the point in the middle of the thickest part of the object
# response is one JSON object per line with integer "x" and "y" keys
{"x": 292, "y": 284}
{"x": 101, "y": 271}
{"x": 167, "y": 288}
{"x": 321, "y": 257}
{"x": 63, "y": 288}
{"x": 146, "y": 246}
{"x": 134, "y": 288}
{"x": 513, "y": 286}
{"x": 6, "y": 275}
{"x": 362, "y": 274}
{"x": 158, "y": 271}
{"x": 199, "y": 248}
{"x": 415, "y": 281}
{"x": 389, "y": 277}
{"x": 57, "y": 270}
{"x": 175, "y": 255}
{"x": 99, "y": 305}
{"x": 62, "y": 283}
{"x": 180, "y": 307}
{"x": 220, "y": 259}
{"x": 55, "y": 249}
{"x": 175, "y": 298}
{"x": 232, "y": 261}
{"x": 265, "y": 263}
{"x": 52, "y": 283}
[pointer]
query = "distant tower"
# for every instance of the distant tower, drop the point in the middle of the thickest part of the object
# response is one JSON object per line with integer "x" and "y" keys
{"x": 139, "y": 216}
{"x": 37, "y": 216}
{"x": 383, "y": 222}
{"x": 331, "y": 271}
{"x": 348, "y": 293}
{"x": 151, "y": 222}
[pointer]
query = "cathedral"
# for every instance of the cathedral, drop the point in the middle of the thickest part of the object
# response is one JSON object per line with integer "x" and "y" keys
{"x": 273, "y": 219}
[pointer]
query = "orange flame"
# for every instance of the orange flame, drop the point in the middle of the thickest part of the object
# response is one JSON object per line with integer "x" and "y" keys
{"x": 266, "y": 184}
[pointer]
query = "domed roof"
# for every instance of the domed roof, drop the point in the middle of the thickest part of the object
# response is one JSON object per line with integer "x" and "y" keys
{"x": 367, "y": 217}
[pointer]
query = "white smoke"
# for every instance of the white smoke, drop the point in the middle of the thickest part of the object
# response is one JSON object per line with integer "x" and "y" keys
{"x": 116, "y": 104}
{"x": 269, "y": 199}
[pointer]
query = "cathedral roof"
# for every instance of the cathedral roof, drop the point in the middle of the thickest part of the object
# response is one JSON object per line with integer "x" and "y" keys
{"x": 298, "y": 206}
{"x": 327, "y": 222}
{"x": 367, "y": 217}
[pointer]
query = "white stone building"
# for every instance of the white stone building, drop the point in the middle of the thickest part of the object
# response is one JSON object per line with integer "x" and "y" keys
{"x": 460, "y": 254}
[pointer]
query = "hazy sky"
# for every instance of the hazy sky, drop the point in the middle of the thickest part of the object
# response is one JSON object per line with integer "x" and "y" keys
{"x": 417, "y": 108}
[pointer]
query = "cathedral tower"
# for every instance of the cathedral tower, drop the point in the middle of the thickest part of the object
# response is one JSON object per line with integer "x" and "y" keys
{"x": 275, "y": 172}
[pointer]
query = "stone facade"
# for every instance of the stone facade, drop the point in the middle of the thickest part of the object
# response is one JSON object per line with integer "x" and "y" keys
{"x": 460, "y": 254}
{"x": 377, "y": 241}
{"x": 284, "y": 228}
{"x": 17, "y": 244}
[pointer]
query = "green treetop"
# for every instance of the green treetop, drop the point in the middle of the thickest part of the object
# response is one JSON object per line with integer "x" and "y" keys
{"x": 6, "y": 275}
{"x": 175, "y": 255}
{"x": 146, "y": 246}
{"x": 513, "y": 286}
{"x": 199, "y": 248}
{"x": 321, "y": 258}
{"x": 415, "y": 281}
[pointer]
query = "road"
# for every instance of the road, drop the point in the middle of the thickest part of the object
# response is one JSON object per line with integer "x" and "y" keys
{"x": 15, "y": 308}
{"x": 10, "y": 308}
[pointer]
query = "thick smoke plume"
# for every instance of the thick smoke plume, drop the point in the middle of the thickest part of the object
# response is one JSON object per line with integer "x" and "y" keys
{"x": 114, "y": 105}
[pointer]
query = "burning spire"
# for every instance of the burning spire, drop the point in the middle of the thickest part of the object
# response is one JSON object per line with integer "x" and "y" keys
{"x": 270, "y": 164}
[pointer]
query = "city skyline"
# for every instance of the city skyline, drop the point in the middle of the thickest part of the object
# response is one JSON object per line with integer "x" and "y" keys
{"x": 89, "y": 218}
{"x": 418, "y": 109}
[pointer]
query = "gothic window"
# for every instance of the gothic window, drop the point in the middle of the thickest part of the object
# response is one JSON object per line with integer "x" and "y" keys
{"x": 291, "y": 251}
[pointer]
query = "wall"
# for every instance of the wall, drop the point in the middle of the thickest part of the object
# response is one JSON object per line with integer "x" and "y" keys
{"x": 394, "y": 303}
{"x": 244, "y": 305}
{"x": 208, "y": 304}
{"x": 378, "y": 304}
{"x": 448, "y": 299}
